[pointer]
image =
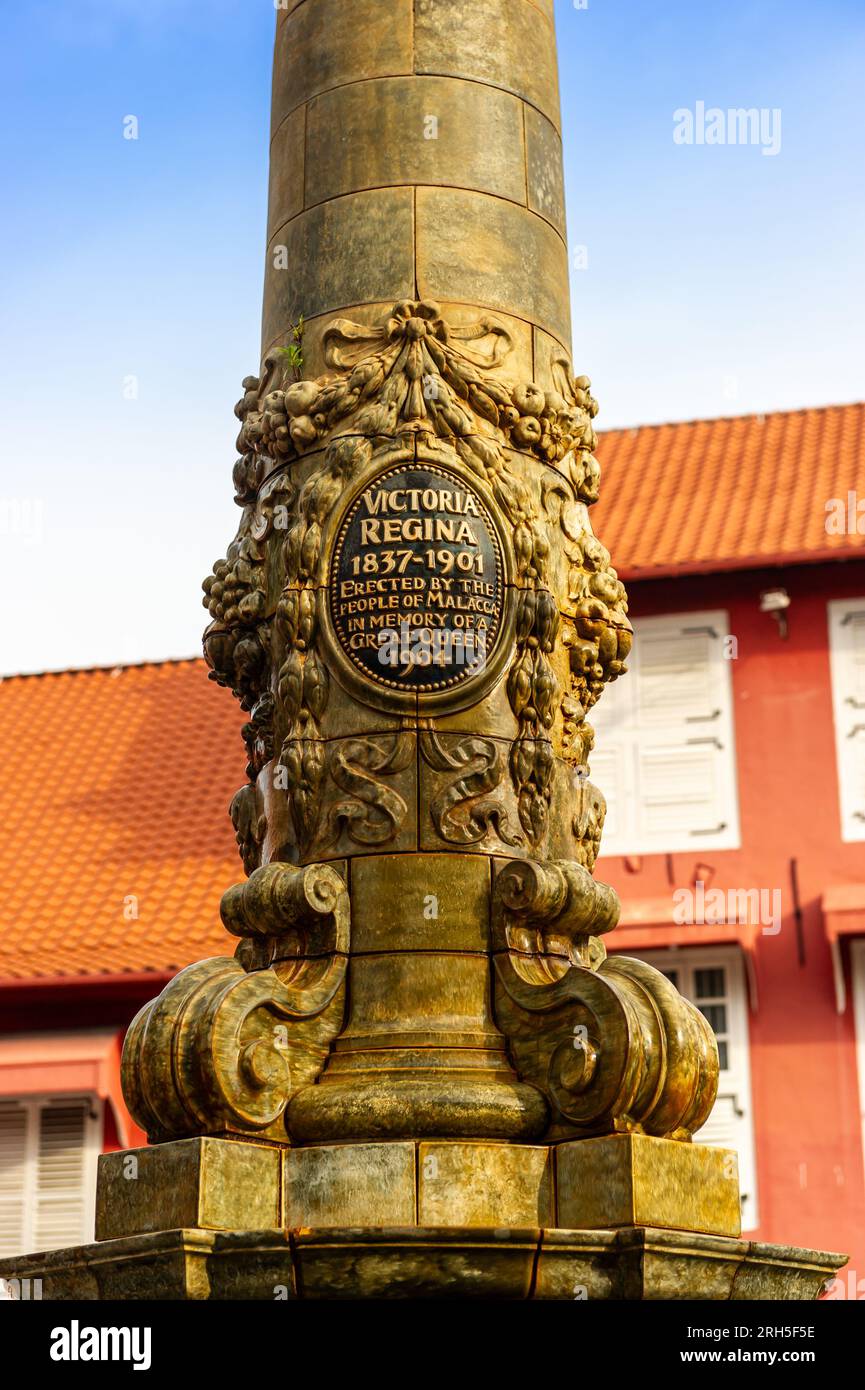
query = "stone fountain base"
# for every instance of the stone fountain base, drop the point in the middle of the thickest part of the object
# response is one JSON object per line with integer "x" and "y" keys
{"x": 433, "y": 1262}
{"x": 620, "y": 1217}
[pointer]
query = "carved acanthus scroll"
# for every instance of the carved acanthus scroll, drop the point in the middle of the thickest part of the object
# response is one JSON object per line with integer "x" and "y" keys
{"x": 610, "y": 1042}
{"x": 464, "y": 813}
{"x": 230, "y": 1040}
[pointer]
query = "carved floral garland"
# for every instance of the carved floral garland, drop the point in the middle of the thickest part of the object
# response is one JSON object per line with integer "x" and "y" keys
{"x": 411, "y": 374}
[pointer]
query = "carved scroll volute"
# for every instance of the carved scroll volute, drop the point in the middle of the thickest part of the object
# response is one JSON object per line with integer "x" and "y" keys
{"x": 690, "y": 1083}
{"x": 224, "y": 1047}
{"x": 610, "y": 1043}
{"x": 548, "y": 917}
{"x": 296, "y": 920}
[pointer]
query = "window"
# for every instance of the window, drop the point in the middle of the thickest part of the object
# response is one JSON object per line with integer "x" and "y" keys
{"x": 847, "y": 663}
{"x": 48, "y": 1152}
{"x": 714, "y": 980}
{"x": 664, "y": 753}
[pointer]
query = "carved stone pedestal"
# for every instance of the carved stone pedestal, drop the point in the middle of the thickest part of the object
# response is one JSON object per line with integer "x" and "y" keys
{"x": 218, "y": 1184}
{"x": 433, "y": 1262}
{"x": 626, "y": 1217}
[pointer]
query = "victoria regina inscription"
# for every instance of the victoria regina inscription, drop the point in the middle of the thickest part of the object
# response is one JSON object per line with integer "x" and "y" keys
{"x": 416, "y": 586}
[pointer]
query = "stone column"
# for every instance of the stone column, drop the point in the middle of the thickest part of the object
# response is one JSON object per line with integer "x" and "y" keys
{"x": 419, "y": 1053}
{"x": 418, "y": 619}
{"x": 416, "y": 154}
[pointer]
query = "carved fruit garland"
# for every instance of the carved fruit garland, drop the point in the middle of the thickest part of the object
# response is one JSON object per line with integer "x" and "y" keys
{"x": 414, "y": 373}
{"x": 302, "y": 681}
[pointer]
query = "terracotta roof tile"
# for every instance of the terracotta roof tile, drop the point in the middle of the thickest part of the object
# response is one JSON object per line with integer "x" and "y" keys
{"x": 115, "y": 783}
{"x": 737, "y": 493}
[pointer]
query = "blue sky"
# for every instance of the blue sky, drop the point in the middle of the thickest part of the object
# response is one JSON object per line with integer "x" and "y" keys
{"x": 719, "y": 280}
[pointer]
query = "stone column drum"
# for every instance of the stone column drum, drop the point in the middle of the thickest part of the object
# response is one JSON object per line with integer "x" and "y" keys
{"x": 416, "y": 155}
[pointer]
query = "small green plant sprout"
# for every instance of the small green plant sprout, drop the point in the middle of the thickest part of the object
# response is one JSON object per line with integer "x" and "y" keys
{"x": 292, "y": 354}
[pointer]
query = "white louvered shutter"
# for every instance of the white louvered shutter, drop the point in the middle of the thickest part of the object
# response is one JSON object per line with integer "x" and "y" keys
{"x": 664, "y": 735}
{"x": 847, "y": 659}
{"x": 48, "y": 1152}
{"x": 61, "y": 1198}
{"x": 13, "y": 1175}
{"x": 608, "y": 773}
{"x": 714, "y": 980}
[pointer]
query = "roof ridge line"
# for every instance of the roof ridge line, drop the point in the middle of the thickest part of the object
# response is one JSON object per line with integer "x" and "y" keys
{"x": 95, "y": 670}
{"x": 762, "y": 415}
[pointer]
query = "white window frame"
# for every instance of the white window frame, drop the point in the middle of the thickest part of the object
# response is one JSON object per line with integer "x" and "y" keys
{"x": 33, "y": 1105}
{"x": 846, "y": 720}
{"x": 637, "y": 735}
{"x": 735, "y": 1082}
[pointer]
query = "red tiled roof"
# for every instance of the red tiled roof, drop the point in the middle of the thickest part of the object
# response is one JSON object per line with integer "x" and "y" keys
{"x": 115, "y": 783}
{"x": 737, "y": 493}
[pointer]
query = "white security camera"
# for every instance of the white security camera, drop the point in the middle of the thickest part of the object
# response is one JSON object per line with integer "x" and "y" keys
{"x": 774, "y": 600}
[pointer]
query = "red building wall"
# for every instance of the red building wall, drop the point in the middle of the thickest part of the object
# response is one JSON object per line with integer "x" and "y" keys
{"x": 807, "y": 1119}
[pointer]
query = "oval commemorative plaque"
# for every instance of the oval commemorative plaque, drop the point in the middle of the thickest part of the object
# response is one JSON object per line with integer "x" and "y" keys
{"x": 416, "y": 584}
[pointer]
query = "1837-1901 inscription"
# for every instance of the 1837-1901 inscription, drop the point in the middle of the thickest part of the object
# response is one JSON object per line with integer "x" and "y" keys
{"x": 416, "y": 586}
